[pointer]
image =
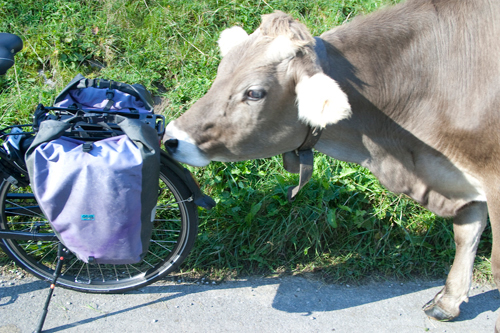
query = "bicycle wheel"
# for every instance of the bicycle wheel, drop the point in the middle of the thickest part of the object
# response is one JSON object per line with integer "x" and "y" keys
{"x": 174, "y": 234}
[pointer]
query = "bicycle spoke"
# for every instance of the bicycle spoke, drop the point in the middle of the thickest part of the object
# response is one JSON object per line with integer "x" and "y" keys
{"x": 168, "y": 230}
{"x": 102, "y": 275}
{"x": 128, "y": 271}
{"x": 144, "y": 261}
{"x": 154, "y": 254}
{"x": 26, "y": 209}
{"x": 28, "y": 245}
{"x": 77, "y": 275}
{"x": 165, "y": 220}
{"x": 116, "y": 273}
{"x": 137, "y": 269}
{"x": 53, "y": 249}
{"x": 88, "y": 272}
{"x": 69, "y": 268}
{"x": 168, "y": 205}
{"x": 29, "y": 222}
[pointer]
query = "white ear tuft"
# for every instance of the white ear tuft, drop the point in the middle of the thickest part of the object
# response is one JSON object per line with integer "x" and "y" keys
{"x": 231, "y": 37}
{"x": 321, "y": 101}
{"x": 280, "y": 48}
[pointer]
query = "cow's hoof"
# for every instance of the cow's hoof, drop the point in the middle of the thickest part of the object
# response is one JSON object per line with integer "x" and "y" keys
{"x": 434, "y": 311}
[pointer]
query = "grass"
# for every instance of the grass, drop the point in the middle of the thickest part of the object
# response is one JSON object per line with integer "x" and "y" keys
{"x": 344, "y": 224}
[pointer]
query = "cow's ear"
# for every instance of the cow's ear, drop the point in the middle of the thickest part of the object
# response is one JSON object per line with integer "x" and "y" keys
{"x": 321, "y": 102}
{"x": 231, "y": 37}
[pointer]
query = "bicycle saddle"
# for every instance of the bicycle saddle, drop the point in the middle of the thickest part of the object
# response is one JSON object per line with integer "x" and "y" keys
{"x": 9, "y": 45}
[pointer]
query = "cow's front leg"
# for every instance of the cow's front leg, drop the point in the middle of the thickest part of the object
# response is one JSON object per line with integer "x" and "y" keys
{"x": 494, "y": 211}
{"x": 467, "y": 226}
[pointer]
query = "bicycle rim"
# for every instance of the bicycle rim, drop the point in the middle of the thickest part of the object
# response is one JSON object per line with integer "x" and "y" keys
{"x": 174, "y": 233}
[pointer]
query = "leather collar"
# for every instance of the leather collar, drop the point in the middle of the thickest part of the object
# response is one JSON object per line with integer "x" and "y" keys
{"x": 301, "y": 161}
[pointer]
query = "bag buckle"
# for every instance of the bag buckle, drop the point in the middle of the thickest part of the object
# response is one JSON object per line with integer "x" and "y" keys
{"x": 87, "y": 147}
{"x": 110, "y": 93}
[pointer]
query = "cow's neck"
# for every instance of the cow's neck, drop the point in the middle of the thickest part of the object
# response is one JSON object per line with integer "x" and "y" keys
{"x": 372, "y": 70}
{"x": 357, "y": 61}
{"x": 321, "y": 53}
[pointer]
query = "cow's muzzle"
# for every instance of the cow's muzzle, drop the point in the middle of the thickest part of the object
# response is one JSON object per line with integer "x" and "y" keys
{"x": 171, "y": 145}
{"x": 182, "y": 147}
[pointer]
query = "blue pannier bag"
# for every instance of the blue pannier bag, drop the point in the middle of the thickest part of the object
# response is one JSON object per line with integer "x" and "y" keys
{"x": 94, "y": 169}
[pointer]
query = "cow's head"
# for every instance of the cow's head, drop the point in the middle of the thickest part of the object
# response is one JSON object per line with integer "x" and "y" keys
{"x": 269, "y": 88}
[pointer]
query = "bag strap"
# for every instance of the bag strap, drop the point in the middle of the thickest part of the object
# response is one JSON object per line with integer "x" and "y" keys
{"x": 110, "y": 94}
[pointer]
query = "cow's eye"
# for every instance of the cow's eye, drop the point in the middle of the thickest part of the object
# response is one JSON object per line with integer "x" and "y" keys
{"x": 255, "y": 94}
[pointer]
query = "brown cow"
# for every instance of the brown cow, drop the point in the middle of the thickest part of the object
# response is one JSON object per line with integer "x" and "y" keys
{"x": 411, "y": 92}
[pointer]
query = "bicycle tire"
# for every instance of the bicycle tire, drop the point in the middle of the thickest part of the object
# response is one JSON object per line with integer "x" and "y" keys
{"x": 174, "y": 233}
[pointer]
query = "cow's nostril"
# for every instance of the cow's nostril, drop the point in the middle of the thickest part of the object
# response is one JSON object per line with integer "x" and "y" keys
{"x": 171, "y": 145}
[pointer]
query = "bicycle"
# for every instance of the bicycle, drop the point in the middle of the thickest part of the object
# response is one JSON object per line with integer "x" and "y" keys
{"x": 26, "y": 235}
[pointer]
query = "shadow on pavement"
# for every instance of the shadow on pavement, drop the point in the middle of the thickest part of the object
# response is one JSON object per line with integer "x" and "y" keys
{"x": 291, "y": 295}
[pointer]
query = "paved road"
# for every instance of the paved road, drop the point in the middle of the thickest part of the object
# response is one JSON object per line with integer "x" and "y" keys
{"x": 288, "y": 304}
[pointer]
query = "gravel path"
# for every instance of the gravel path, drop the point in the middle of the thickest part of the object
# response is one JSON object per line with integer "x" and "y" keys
{"x": 287, "y": 304}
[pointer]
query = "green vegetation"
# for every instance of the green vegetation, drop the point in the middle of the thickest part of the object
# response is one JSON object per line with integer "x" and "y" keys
{"x": 344, "y": 224}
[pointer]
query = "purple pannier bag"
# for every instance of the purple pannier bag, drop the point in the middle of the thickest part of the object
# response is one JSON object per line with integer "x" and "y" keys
{"x": 113, "y": 169}
{"x": 98, "y": 99}
{"x": 100, "y": 197}
{"x": 107, "y": 95}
